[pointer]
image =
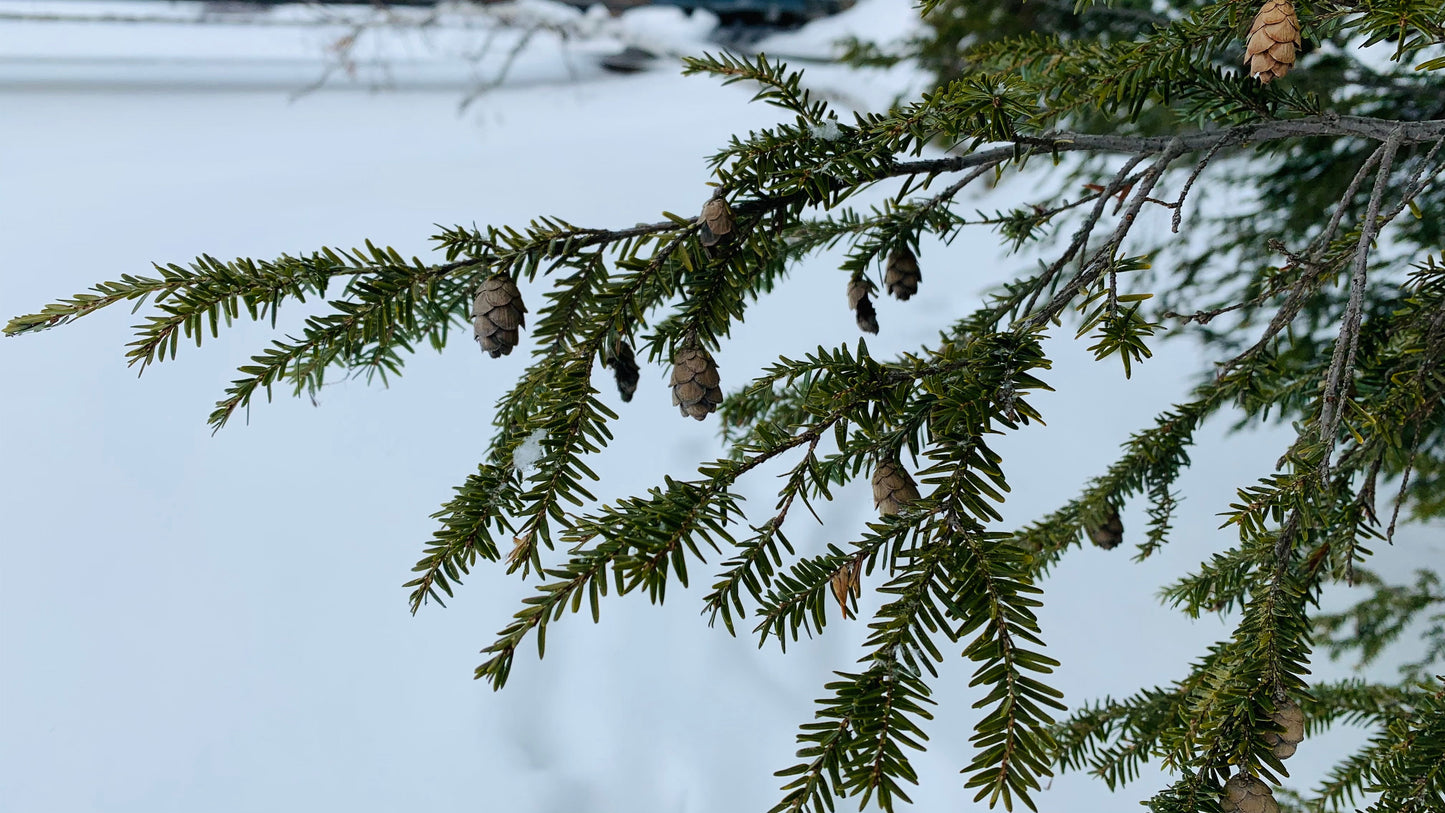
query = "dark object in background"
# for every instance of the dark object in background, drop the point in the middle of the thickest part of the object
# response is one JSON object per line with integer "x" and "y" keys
{"x": 762, "y": 12}
{"x": 631, "y": 60}
{"x": 754, "y": 12}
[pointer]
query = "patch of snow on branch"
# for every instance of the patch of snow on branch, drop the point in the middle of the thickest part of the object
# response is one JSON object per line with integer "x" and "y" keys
{"x": 526, "y": 456}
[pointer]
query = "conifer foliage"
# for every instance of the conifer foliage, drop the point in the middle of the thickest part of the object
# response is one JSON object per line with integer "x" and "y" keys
{"x": 1319, "y": 289}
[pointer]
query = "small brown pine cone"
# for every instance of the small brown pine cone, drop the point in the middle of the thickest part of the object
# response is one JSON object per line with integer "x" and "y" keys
{"x": 1110, "y": 532}
{"x": 716, "y": 220}
{"x": 497, "y": 315}
{"x": 892, "y": 487}
{"x": 1274, "y": 38}
{"x": 1289, "y": 717}
{"x": 902, "y": 276}
{"x": 861, "y": 304}
{"x": 866, "y": 317}
{"x": 1245, "y": 794}
{"x": 624, "y": 368}
{"x": 695, "y": 390}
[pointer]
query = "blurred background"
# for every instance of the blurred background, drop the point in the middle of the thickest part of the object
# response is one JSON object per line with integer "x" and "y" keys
{"x": 192, "y": 622}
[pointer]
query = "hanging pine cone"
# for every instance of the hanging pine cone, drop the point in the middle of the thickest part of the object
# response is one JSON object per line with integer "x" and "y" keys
{"x": 497, "y": 315}
{"x": 892, "y": 487}
{"x": 1245, "y": 794}
{"x": 624, "y": 369}
{"x": 1273, "y": 40}
{"x": 902, "y": 275}
{"x": 1110, "y": 532}
{"x": 695, "y": 380}
{"x": 716, "y": 220}
{"x": 861, "y": 304}
{"x": 1289, "y": 717}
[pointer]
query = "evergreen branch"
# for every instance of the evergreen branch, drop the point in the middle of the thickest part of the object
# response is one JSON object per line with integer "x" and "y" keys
{"x": 482, "y": 503}
{"x": 381, "y": 314}
{"x": 798, "y": 599}
{"x": 1348, "y": 779}
{"x": 201, "y": 296}
{"x": 879, "y": 704}
{"x": 1375, "y": 622}
{"x": 1121, "y": 89}
{"x": 1012, "y": 739}
{"x": 830, "y": 740}
{"x": 775, "y": 87}
{"x": 752, "y": 568}
{"x": 1153, "y": 455}
{"x": 1411, "y": 777}
{"x": 901, "y": 644}
{"x": 1139, "y": 733}
{"x": 642, "y": 541}
{"x": 1103, "y": 257}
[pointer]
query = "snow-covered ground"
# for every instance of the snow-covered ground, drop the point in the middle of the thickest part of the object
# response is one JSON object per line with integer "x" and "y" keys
{"x": 198, "y": 623}
{"x": 85, "y": 44}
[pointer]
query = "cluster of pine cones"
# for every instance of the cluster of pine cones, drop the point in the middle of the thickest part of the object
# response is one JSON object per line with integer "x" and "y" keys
{"x": 900, "y": 276}
{"x": 1246, "y": 794}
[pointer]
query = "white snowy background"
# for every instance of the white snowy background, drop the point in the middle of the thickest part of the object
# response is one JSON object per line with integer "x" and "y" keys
{"x": 192, "y": 622}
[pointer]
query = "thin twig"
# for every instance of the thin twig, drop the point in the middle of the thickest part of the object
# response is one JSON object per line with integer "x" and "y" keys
{"x": 1081, "y": 237}
{"x": 1178, "y": 205}
{"x": 1342, "y": 364}
{"x": 1417, "y": 182}
{"x": 1322, "y": 243}
{"x": 1099, "y": 260}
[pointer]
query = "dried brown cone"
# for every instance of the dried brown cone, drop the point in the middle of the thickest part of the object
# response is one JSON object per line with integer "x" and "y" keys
{"x": 1245, "y": 794}
{"x": 901, "y": 275}
{"x": 497, "y": 315}
{"x": 848, "y": 583}
{"x": 716, "y": 221}
{"x": 1110, "y": 532}
{"x": 892, "y": 487}
{"x": 1291, "y": 719}
{"x": 1274, "y": 39}
{"x": 695, "y": 390}
{"x": 624, "y": 369}
{"x": 860, "y": 302}
{"x": 522, "y": 549}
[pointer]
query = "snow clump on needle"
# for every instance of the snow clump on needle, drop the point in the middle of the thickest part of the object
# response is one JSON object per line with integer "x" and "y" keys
{"x": 526, "y": 455}
{"x": 827, "y": 131}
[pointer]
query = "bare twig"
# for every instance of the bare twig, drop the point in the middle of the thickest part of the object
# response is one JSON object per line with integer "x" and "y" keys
{"x": 1322, "y": 243}
{"x": 1102, "y": 257}
{"x": 1419, "y": 179}
{"x": 1342, "y": 363}
{"x": 1081, "y": 236}
{"x": 1313, "y": 270}
{"x": 1178, "y": 205}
